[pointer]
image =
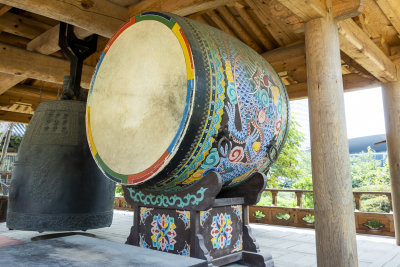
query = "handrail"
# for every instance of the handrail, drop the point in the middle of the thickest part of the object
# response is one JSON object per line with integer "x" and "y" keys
{"x": 299, "y": 195}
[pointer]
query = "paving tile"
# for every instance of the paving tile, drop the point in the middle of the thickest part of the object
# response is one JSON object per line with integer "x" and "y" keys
{"x": 289, "y": 246}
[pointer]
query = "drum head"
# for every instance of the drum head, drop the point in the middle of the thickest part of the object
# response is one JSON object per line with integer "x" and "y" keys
{"x": 137, "y": 106}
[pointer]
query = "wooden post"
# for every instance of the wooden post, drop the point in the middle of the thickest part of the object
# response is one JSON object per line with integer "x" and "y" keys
{"x": 389, "y": 196}
{"x": 357, "y": 198}
{"x": 391, "y": 107}
{"x": 274, "y": 195}
{"x": 299, "y": 196}
{"x": 333, "y": 198}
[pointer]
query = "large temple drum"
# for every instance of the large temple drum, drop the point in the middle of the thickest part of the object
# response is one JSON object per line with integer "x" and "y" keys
{"x": 172, "y": 99}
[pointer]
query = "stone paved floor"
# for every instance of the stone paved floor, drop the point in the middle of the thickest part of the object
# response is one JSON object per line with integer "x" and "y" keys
{"x": 290, "y": 247}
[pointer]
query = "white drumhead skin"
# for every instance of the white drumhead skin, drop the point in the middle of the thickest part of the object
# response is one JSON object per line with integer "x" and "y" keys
{"x": 138, "y": 97}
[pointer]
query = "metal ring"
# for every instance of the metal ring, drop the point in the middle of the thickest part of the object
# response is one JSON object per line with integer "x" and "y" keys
{"x": 220, "y": 146}
{"x": 269, "y": 152}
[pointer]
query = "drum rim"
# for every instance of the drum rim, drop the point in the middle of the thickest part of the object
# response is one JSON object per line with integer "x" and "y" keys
{"x": 150, "y": 172}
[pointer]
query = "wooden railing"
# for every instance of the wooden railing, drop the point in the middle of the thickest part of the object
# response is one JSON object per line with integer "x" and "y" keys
{"x": 366, "y": 222}
{"x": 120, "y": 204}
{"x": 300, "y": 217}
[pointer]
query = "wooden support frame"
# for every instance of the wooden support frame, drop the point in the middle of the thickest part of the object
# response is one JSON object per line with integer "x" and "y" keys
{"x": 391, "y": 9}
{"x": 240, "y": 31}
{"x": 28, "y": 64}
{"x": 181, "y": 8}
{"x": 355, "y": 43}
{"x": 100, "y": 16}
{"x": 15, "y": 117}
{"x": 22, "y": 26}
{"x": 333, "y": 199}
{"x": 47, "y": 42}
{"x": 391, "y": 108}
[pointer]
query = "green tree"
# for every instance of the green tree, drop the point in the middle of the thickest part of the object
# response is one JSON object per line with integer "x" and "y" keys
{"x": 366, "y": 170}
{"x": 287, "y": 168}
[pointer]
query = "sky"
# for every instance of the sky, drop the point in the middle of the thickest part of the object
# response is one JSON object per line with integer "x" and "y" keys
{"x": 364, "y": 113}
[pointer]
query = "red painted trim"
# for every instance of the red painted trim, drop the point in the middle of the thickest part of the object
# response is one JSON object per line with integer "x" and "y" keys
{"x": 142, "y": 176}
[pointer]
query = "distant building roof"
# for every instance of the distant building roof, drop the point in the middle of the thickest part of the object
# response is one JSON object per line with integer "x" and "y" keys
{"x": 356, "y": 145}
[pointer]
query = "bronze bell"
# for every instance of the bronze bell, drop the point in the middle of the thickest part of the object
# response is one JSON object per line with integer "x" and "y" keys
{"x": 56, "y": 185}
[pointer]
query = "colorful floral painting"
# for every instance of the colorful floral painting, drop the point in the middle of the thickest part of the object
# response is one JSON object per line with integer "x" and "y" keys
{"x": 185, "y": 251}
{"x": 238, "y": 245}
{"x": 144, "y": 213}
{"x": 221, "y": 230}
{"x": 185, "y": 217}
{"x": 142, "y": 242}
{"x": 163, "y": 230}
{"x": 237, "y": 209}
{"x": 203, "y": 216}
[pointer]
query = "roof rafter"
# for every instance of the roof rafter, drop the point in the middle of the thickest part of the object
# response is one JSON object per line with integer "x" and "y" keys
{"x": 37, "y": 66}
{"x": 100, "y": 16}
{"x": 181, "y": 7}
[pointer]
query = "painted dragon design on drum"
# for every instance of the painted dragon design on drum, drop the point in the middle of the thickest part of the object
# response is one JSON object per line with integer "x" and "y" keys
{"x": 255, "y": 108}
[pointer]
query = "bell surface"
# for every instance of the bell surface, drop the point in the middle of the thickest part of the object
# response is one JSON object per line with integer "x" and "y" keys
{"x": 56, "y": 185}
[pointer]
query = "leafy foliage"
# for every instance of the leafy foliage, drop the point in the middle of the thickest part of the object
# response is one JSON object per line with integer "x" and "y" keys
{"x": 293, "y": 170}
{"x": 367, "y": 171}
{"x": 118, "y": 191}
{"x": 13, "y": 146}
{"x": 259, "y": 214}
{"x": 287, "y": 168}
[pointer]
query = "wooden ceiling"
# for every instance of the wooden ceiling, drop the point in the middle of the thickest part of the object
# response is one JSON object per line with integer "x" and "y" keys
{"x": 32, "y": 67}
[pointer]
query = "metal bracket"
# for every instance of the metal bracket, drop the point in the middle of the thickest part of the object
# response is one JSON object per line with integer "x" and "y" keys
{"x": 76, "y": 50}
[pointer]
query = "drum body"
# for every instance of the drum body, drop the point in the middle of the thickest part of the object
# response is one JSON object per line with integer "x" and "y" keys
{"x": 212, "y": 103}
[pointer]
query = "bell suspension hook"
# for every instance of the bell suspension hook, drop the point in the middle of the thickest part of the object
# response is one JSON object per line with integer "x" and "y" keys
{"x": 76, "y": 50}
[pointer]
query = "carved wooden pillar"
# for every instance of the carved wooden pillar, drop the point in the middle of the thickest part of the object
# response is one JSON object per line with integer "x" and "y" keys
{"x": 333, "y": 198}
{"x": 391, "y": 107}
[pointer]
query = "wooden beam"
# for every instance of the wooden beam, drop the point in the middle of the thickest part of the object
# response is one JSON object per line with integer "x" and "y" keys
{"x": 37, "y": 66}
{"x": 295, "y": 14}
{"x": 279, "y": 31}
{"x": 392, "y": 11}
{"x": 100, "y": 16}
{"x": 306, "y": 9}
{"x": 214, "y": 17}
{"x": 31, "y": 92}
{"x": 254, "y": 28}
{"x": 15, "y": 117}
{"x": 351, "y": 82}
{"x": 47, "y": 42}
{"x": 356, "y": 44}
{"x": 181, "y": 7}
{"x": 9, "y": 80}
{"x": 4, "y": 9}
{"x": 238, "y": 29}
{"x": 344, "y": 9}
{"x": 22, "y": 26}
{"x": 286, "y": 58}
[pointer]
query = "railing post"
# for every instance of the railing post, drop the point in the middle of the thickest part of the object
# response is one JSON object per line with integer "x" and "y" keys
{"x": 299, "y": 196}
{"x": 274, "y": 198}
{"x": 389, "y": 196}
{"x": 357, "y": 197}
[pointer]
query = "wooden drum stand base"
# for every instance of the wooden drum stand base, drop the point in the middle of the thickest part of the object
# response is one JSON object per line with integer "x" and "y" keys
{"x": 202, "y": 221}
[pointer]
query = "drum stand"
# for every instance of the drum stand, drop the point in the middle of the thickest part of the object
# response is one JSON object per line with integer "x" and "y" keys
{"x": 201, "y": 221}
